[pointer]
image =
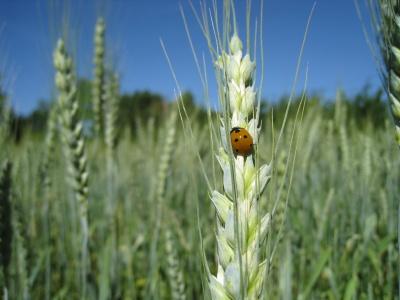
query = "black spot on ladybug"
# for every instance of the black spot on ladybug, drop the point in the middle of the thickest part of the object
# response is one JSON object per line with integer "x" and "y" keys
{"x": 236, "y": 140}
{"x": 245, "y": 136}
{"x": 237, "y": 150}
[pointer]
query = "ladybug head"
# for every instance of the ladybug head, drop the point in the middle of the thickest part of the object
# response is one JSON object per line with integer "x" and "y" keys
{"x": 236, "y": 129}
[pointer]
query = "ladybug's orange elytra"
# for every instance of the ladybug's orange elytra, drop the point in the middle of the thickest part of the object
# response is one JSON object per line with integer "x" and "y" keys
{"x": 242, "y": 141}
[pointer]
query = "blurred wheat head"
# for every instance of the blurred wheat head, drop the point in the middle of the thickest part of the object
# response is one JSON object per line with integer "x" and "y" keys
{"x": 385, "y": 20}
{"x": 384, "y": 17}
{"x": 73, "y": 146}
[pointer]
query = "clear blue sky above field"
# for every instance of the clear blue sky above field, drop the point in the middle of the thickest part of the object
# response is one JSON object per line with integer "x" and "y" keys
{"x": 336, "y": 52}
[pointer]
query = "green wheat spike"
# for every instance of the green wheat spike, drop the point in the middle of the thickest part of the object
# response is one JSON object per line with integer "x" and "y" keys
{"x": 98, "y": 89}
{"x": 174, "y": 271}
{"x": 73, "y": 145}
{"x": 111, "y": 112}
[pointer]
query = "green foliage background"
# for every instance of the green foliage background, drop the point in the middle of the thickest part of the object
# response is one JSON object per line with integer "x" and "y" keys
{"x": 339, "y": 235}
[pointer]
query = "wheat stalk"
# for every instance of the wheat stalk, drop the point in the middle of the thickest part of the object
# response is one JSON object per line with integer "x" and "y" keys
{"x": 98, "y": 89}
{"x": 50, "y": 147}
{"x": 174, "y": 271}
{"x": 110, "y": 136}
{"x": 111, "y": 113}
{"x": 162, "y": 174}
{"x": 385, "y": 19}
{"x": 240, "y": 230}
{"x": 74, "y": 144}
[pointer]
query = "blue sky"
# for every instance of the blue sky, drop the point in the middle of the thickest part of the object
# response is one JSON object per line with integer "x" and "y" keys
{"x": 336, "y": 52}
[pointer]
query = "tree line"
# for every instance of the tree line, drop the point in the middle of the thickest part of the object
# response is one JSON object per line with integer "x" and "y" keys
{"x": 365, "y": 107}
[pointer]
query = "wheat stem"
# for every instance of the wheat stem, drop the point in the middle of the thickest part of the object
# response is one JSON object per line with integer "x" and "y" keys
{"x": 74, "y": 146}
{"x": 159, "y": 203}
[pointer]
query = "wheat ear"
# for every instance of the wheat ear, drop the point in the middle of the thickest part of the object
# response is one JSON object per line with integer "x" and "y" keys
{"x": 162, "y": 174}
{"x": 240, "y": 229}
{"x": 110, "y": 134}
{"x": 74, "y": 144}
{"x": 174, "y": 271}
{"x": 386, "y": 21}
{"x": 98, "y": 89}
{"x": 111, "y": 113}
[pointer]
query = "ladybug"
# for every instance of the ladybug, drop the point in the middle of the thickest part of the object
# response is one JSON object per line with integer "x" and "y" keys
{"x": 242, "y": 141}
